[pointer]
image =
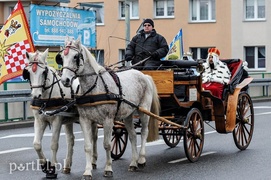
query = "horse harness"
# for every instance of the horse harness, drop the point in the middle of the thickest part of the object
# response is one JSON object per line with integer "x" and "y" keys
{"x": 93, "y": 99}
{"x": 42, "y": 104}
{"x": 104, "y": 98}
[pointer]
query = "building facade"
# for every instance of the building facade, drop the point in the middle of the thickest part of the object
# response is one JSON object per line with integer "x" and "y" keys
{"x": 240, "y": 29}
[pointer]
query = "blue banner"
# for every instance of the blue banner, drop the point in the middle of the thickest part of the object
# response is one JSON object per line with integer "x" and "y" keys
{"x": 49, "y": 25}
{"x": 176, "y": 47}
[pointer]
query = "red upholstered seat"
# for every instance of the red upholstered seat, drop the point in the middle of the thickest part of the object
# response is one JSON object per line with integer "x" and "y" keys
{"x": 234, "y": 66}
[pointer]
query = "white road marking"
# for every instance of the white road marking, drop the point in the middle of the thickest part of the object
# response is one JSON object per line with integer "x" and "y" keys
{"x": 15, "y": 150}
{"x": 159, "y": 142}
{"x": 262, "y": 107}
{"x": 185, "y": 159}
{"x": 262, "y": 113}
{"x": 32, "y": 135}
{"x": 82, "y": 139}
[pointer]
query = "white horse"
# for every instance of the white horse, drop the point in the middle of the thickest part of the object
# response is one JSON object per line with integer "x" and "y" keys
{"x": 48, "y": 93}
{"x": 108, "y": 97}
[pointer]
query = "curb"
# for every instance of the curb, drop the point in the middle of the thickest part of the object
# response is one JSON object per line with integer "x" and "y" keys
{"x": 16, "y": 124}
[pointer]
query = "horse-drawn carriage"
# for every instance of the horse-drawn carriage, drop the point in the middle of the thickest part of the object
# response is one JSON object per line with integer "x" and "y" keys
{"x": 183, "y": 113}
{"x": 132, "y": 97}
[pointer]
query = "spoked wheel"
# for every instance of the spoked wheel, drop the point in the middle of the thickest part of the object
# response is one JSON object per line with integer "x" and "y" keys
{"x": 119, "y": 142}
{"x": 171, "y": 136}
{"x": 242, "y": 134}
{"x": 194, "y": 135}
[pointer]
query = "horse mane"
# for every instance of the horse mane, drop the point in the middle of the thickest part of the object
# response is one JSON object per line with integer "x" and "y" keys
{"x": 91, "y": 59}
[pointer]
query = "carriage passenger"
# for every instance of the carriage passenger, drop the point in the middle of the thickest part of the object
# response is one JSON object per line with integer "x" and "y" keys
{"x": 148, "y": 43}
{"x": 216, "y": 74}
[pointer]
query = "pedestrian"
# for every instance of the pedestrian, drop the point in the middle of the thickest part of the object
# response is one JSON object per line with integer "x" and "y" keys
{"x": 147, "y": 44}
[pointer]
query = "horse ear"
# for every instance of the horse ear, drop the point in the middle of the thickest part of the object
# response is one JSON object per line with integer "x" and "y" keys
{"x": 78, "y": 42}
{"x": 67, "y": 40}
{"x": 29, "y": 56}
{"x": 45, "y": 55}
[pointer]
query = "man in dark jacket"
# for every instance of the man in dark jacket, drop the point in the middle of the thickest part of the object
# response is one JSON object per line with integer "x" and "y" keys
{"x": 147, "y": 44}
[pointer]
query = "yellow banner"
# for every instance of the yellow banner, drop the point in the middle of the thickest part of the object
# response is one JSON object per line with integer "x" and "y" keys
{"x": 15, "y": 40}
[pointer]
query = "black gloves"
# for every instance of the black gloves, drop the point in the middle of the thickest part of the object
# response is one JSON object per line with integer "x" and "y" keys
{"x": 128, "y": 58}
{"x": 154, "y": 54}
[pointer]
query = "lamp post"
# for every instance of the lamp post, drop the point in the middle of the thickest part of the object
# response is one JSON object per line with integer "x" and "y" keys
{"x": 127, "y": 25}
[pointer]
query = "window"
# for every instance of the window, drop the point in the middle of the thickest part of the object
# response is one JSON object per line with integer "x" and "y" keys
{"x": 121, "y": 54}
{"x": 98, "y": 8}
{"x": 254, "y": 9}
{"x": 133, "y": 8}
{"x": 122, "y": 57}
{"x": 200, "y": 53}
{"x": 164, "y": 8}
{"x": 255, "y": 57}
{"x": 202, "y": 10}
{"x": 99, "y": 55}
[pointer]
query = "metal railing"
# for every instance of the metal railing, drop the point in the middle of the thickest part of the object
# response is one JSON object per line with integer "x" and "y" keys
{"x": 12, "y": 96}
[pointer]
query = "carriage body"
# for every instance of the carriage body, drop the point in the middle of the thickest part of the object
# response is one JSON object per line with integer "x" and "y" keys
{"x": 186, "y": 106}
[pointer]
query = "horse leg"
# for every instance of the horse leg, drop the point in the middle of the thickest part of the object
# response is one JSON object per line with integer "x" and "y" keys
{"x": 56, "y": 127}
{"x": 129, "y": 125}
{"x": 108, "y": 128}
{"x": 39, "y": 128}
{"x": 144, "y": 134}
{"x": 94, "y": 145}
{"x": 70, "y": 145}
{"x": 86, "y": 128}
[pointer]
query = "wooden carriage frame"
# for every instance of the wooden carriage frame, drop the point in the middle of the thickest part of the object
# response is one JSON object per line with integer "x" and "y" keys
{"x": 184, "y": 117}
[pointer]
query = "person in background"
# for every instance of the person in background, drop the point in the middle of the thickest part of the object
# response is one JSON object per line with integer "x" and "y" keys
{"x": 188, "y": 56}
{"x": 147, "y": 44}
{"x": 216, "y": 74}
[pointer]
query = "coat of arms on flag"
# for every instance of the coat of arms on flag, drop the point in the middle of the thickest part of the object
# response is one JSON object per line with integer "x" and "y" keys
{"x": 176, "y": 47}
{"x": 15, "y": 40}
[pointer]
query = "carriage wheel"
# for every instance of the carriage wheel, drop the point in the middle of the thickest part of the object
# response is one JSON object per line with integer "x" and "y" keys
{"x": 171, "y": 136}
{"x": 119, "y": 142}
{"x": 194, "y": 135}
{"x": 242, "y": 134}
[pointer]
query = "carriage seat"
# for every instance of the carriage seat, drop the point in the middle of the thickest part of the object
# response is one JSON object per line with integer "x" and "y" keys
{"x": 236, "y": 69}
{"x": 183, "y": 69}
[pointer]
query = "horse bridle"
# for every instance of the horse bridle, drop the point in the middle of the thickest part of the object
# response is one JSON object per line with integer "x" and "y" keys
{"x": 45, "y": 74}
{"x": 77, "y": 57}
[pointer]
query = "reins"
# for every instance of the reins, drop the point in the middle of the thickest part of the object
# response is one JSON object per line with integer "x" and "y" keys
{"x": 101, "y": 97}
{"x": 130, "y": 67}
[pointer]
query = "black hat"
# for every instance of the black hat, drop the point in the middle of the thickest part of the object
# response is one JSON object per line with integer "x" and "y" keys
{"x": 148, "y": 21}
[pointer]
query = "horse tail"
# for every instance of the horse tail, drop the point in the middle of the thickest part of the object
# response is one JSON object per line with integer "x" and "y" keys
{"x": 155, "y": 109}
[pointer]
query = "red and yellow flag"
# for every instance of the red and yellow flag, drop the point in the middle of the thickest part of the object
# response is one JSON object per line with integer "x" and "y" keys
{"x": 15, "y": 40}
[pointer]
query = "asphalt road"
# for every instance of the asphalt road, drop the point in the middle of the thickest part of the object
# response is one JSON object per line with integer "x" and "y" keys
{"x": 220, "y": 159}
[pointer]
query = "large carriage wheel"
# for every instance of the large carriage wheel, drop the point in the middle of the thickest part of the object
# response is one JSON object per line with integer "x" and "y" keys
{"x": 194, "y": 135}
{"x": 171, "y": 136}
{"x": 119, "y": 142}
{"x": 242, "y": 134}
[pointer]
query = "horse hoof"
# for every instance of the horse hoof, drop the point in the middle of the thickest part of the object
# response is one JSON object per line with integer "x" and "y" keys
{"x": 94, "y": 166}
{"x": 51, "y": 173}
{"x": 86, "y": 177}
{"x": 45, "y": 166}
{"x": 66, "y": 170}
{"x": 141, "y": 166}
{"x": 51, "y": 176}
{"x": 108, "y": 174}
{"x": 132, "y": 168}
